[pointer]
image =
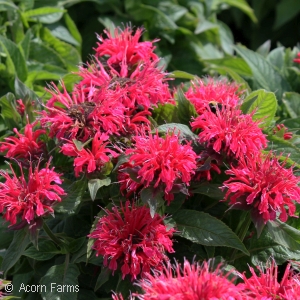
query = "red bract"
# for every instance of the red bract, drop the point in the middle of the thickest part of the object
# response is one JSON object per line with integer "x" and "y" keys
{"x": 31, "y": 198}
{"x": 90, "y": 160}
{"x": 230, "y": 132}
{"x": 123, "y": 47}
{"x": 265, "y": 286}
{"x": 193, "y": 282}
{"x": 131, "y": 240}
{"x": 27, "y": 146}
{"x": 262, "y": 184}
{"x": 212, "y": 91}
{"x": 20, "y": 107}
{"x": 159, "y": 162}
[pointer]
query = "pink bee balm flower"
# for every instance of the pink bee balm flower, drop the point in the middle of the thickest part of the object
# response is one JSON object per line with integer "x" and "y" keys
{"x": 124, "y": 46}
{"x": 212, "y": 91}
{"x": 27, "y": 146}
{"x": 159, "y": 162}
{"x": 265, "y": 286}
{"x": 229, "y": 131}
{"x": 262, "y": 184}
{"x": 29, "y": 198}
{"x": 193, "y": 282}
{"x": 90, "y": 160}
{"x": 130, "y": 239}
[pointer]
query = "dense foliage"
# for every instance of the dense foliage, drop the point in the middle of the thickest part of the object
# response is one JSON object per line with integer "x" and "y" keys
{"x": 133, "y": 174}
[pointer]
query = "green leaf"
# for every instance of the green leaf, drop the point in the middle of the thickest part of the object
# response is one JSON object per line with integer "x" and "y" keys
{"x": 264, "y": 105}
{"x": 165, "y": 113}
{"x": 61, "y": 282}
{"x": 209, "y": 189}
{"x": 291, "y": 101}
{"x": 15, "y": 249}
{"x": 154, "y": 200}
{"x": 286, "y": 147}
{"x": 235, "y": 64}
{"x": 102, "y": 278}
{"x": 183, "y": 131}
{"x": 264, "y": 49}
{"x": 46, "y": 15}
{"x": 62, "y": 33}
{"x": 95, "y": 184}
{"x": 75, "y": 193}
{"x": 243, "y": 6}
{"x": 47, "y": 250}
{"x": 15, "y": 59}
{"x": 285, "y": 11}
{"x": 204, "y": 25}
{"x": 181, "y": 74}
{"x": 67, "y": 52}
{"x": 9, "y": 111}
{"x": 72, "y": 28}
{"x": 284, "y": 235}
{"x": 23, "y": 92}
{"x": 202, "y": 228}
{"x": 25, "y": 43}
{"x": 186, "y": 109}
{"x": 264, "y": 74}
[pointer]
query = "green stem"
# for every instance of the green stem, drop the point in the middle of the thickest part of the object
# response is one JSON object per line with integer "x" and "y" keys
{"x": 52, "y": 236}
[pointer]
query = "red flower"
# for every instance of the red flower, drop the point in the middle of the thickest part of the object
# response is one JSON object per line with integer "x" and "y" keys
{"x": 123, "y": 47}
{"x": 265, "y": 286}
{"x": 32, "y": 198}
{"x": 90, "y": 160}
{"x": 159, "y": 162}
{"x": 81, "y": 115}
{"x": 281, "y": 130}
{"x": 262, "y": 184}
{"x": 130, "y": 239}
{"x": 297, "y": 60}
{"x": 212, "y": 91}
{"x": 26, "y": 146}
{"x": 229, "y": 131}
{"x": 20, "y": 107}
{"x": 193, "y": 282}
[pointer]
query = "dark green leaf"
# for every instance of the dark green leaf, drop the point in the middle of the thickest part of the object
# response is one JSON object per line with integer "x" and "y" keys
{"x": 202, "y": 228}
{"x": 47, "y": 15}
{"x": 154, "y": 200}
{"x": 284, "y": 235}
{"x": 285, "y": 11}
{"x": 47, "y": 250}
{"x": 102, "y": 278}
{"x": 15, "y": 249}
{"x": 14, "y": 57}
{"x": 211, "y": 190}
{"x": 95, "y": 184}
{"x": 23, "y": 92}
{"x": 183, "y": 131}
{"x": 165, "y": 113}
{"x": 186, "y": 109}
{"x": 61, "y": 282}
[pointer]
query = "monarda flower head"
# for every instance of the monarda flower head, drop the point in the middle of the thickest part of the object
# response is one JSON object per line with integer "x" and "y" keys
{"x": 192, "y": 282}
{"x": 262, "y": 184}
{"x": 31, "y": 198}
{"x": 265, "y": 285}
{"x": 160, "y": 163}
{"x": 131, "y": 240}
{"x": 90, "y": 160}
{"x": 212, "y": 91}
{"x": 230, "y": 132}
{"x": 124, "y": 47}
{"x": 24, "y": 147}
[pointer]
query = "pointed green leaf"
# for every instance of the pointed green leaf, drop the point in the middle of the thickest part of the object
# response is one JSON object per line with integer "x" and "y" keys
{"x": 154, "y": 200}
{"x": 291, "y": 101}
{"x": 46, "y": 15}
{"x": 165, "y": 113}
{"x": 263, "y": 103}
{"x": 61, "y": 282}
{"x": 181, "y": 74}
{"x": 95, "y": 184}
{"x": 183, "y": 131}
{"x": 9, "y": 112}
{"x": 265, "y": 75}
{"x": 202, "y": 228}
{"x": 47, "y": 250}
